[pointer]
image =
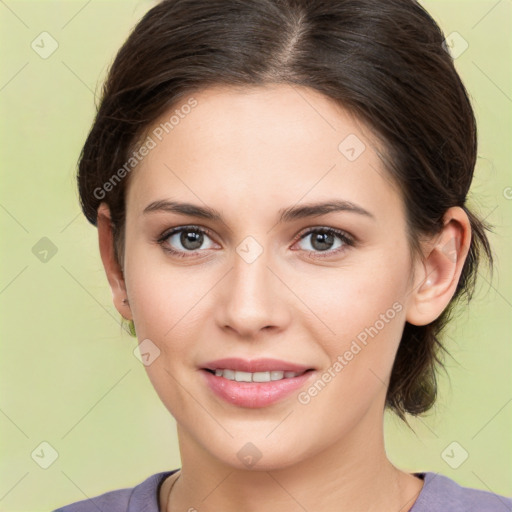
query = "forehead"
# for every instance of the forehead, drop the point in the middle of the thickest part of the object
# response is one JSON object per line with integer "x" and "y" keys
{"x": 259, "y": 146}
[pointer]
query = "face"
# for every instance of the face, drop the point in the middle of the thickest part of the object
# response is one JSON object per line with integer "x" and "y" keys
{"x": 327, "y": 291}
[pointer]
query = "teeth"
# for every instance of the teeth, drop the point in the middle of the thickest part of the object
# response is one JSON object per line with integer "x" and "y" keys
{"x": 254, "y": 377}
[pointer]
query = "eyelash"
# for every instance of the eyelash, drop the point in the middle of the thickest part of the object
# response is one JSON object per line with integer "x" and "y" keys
{"x": 347, "y": 240}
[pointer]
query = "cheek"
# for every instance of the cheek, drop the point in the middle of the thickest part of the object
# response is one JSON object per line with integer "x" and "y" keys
{"x": 362, "y": 315}
{"x": 349, "y": 300}
{"x": 359, "y": 357}
{"x": 168, "y": 302}
{"x": 168, "y": 311}
{"x": 152, "y": 298}
{"x": 164, "y": 303}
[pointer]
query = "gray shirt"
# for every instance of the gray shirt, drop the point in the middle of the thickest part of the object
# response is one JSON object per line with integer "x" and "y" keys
{"x": 439, "y": 494}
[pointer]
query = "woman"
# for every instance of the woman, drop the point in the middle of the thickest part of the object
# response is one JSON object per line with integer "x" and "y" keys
{"x": 280, "y": 192}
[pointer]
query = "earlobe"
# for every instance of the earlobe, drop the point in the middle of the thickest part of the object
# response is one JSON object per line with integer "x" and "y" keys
{"x": 439, "y": 272}
{"x": 112, "y": 267}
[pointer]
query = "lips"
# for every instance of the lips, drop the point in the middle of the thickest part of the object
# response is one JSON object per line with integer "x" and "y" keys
{"x": 255, "y": 365}
{"x": 255, "y": 394}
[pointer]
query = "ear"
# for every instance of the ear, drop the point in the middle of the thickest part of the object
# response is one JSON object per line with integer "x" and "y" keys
{"x": 437, "y": 275}
{"x": 112, "y": 268}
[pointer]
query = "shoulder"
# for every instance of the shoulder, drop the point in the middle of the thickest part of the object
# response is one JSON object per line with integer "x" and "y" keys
{"x": 442, "y": 494}
{"x": 143, "y": 496}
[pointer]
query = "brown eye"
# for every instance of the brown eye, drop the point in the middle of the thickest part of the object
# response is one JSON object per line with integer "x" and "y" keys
{"x": 191, "y": 239}
{"x": 326, "y": 240}
{"x": 184, "y": 239}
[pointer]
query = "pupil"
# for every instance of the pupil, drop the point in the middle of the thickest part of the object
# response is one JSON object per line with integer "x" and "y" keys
{"x": 322, "y": 238}
{"x": 191, "y": 239}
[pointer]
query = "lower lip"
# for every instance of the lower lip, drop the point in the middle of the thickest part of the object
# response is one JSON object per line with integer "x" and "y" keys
{"x": 254, "y": 394}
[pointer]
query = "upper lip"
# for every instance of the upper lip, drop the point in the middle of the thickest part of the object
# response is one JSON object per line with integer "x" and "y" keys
{"x": 255, "y": 365}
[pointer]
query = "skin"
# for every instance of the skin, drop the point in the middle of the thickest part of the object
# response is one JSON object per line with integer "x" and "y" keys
{"x": 248, "y": 154}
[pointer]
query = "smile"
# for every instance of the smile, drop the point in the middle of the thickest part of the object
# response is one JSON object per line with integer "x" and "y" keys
{"x": 250, "y": 392}
{"x": 241, "y": 376}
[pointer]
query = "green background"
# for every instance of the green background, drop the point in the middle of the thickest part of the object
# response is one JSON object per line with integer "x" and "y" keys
{"x": 68, "y": 373}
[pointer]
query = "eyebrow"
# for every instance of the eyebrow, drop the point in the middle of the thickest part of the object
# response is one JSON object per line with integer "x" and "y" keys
{"x": 285, "y": 214}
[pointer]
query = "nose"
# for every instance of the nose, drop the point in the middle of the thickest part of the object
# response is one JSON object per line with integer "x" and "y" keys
{"x": 253, "y": 299}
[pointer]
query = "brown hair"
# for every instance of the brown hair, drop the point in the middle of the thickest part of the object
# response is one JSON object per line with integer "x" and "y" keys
{"x": 383, "y": 61}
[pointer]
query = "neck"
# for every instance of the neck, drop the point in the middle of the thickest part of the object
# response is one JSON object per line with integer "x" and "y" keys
{"x": 353, "y": 474}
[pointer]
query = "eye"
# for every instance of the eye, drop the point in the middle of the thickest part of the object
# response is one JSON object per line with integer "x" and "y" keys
{"x": 190, "y": 238}
{"x": 324, "y": 241}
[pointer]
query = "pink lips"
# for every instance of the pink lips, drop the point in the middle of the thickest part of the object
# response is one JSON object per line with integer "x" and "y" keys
{"x": 256, "y": 365}
{"x": 254, "y": 394}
